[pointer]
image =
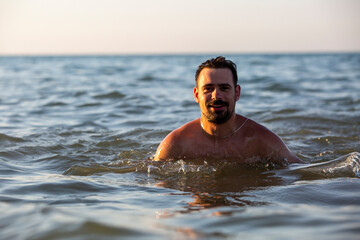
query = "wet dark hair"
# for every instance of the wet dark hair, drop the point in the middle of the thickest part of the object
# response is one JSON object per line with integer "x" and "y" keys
{"x": 219, "y": 62}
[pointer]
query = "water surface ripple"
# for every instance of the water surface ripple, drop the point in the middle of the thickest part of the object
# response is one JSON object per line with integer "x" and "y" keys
{"x": 77, "y": 133}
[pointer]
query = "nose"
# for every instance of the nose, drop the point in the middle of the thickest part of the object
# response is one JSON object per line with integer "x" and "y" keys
{"x": 216, "y": 95}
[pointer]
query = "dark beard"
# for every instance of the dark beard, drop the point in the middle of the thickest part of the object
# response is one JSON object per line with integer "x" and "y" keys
{"x": 218, "y": 117}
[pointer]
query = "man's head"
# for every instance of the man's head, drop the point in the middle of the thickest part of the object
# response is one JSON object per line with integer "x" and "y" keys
{"x": 216, "y": 91}
{"x": 219, "y": 62}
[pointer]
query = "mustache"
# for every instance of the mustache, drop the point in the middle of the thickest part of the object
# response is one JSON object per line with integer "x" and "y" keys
{"x": 217, "y": 102}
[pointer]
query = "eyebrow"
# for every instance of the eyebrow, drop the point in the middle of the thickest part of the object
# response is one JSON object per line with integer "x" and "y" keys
{"x": 221, "y": 85}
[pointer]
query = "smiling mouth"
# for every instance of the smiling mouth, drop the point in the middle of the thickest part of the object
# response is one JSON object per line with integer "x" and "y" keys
{"x": 217, "y": 105}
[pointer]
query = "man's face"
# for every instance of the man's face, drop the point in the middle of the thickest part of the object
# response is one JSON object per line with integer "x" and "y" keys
{"x": 216, "y": 94}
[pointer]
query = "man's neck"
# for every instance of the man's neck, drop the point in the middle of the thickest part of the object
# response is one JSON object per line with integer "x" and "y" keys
{"x": 219, "y": 130}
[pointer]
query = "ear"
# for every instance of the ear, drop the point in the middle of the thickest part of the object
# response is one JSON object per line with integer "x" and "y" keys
{"x": 196, "y": 94}
{"x": 237, "y": 92}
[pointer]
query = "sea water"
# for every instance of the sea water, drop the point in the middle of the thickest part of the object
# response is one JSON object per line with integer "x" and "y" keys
{"x": 77, "y": 133}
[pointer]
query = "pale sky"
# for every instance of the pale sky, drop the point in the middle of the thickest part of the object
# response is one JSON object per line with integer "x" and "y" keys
{"x": 178, "y": 26}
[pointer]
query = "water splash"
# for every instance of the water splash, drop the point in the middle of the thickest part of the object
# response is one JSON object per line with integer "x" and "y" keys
{"x": 179, "y": 167}
{"x": 344, "y": 166}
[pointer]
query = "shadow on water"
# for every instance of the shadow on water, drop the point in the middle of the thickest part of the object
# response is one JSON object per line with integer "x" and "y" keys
{"x": 214, "y": 184}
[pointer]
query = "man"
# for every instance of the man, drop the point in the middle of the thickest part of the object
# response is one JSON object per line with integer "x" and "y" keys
{"x": 221, "y": 134}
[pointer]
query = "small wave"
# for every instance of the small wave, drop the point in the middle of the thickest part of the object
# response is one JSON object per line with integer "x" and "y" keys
{"x": 93, "y": 104}
{"x": 134, "y": 123}
{"x": 55, "y": 104}
{"x": 188, "y": 103}
{"x": 66, "y": 186}
{"x": 8, "y": 139}
{"x": 90, "y": 124}
{"x": 79, "y": 93}
{"x": 146, "y": 78}
{"x": 287, "y": 111}
{"x": 110, "y": 95}
{"x": 122, "y": 166}
{"x": 47, "y": 79}
{"x": 280, "y": 87}
{"x": 345, "y": 166}
{"x": 320, "y": 120}
{"x": 44, "y": 221}
{"x": 260, "y": 79}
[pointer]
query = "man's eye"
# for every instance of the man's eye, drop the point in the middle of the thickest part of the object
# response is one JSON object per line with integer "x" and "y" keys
{"x": 225, "y": 88}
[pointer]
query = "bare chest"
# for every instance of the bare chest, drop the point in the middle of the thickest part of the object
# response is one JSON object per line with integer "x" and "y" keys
{"x": 218, "y": 148}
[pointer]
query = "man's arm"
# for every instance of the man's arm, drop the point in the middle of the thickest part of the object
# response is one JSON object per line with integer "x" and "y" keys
{"x": 290, "y": 157}
{"x": 274, "y": 147}
{"x": 281, "y": 151}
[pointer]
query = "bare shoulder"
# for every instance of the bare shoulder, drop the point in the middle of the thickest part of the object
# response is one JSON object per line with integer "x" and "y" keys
{"x": 172, "y": 147}
{"x": 269, "y": 144}
{"x": 260, "y": 131}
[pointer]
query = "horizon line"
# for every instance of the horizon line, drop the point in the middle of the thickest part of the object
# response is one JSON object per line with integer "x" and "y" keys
{"x": 181, "y": 53}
